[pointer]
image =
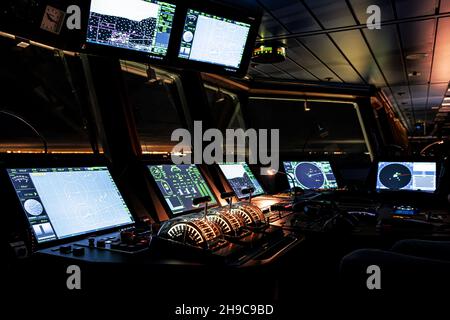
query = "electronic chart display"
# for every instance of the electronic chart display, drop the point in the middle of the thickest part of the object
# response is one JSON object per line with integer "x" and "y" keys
{"x": 310, "y": 175}
{"x": 65, "y": 202}
{"x": 179, "y": 185}
{"x": 212, "y": 39}
{"x": 412, "y": 176}
{"x": 239, "y": 176}
{"x": 139, "y": 25}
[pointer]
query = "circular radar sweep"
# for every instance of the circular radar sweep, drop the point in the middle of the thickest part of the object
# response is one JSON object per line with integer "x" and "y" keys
{"x": 309, "y": 176}
{"x": 395, "y": 176}
{"x": 33, "y": 207}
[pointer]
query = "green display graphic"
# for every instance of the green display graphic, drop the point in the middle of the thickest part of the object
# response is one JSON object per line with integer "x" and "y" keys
{"x": 179, "y": 185}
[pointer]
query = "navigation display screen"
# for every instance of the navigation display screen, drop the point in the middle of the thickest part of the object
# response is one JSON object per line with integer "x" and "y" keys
{"x": 179, "y": 185}
{"x": 139, "y": 25}
{"x": 239, "y": 177}
{"x": 212, "y": 39}
{"x": 65, "y": 202}
{"x": 310, "y": 175}
{"x": 413, "y": 176}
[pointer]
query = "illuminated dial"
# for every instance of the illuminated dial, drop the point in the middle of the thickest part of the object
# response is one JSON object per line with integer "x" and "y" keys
{"x": 196, "y": 232}
{"x": 188, "y": 36}
{"x": 33, "y": 207}
{"x": 252, "y": 215}
{"x": 229, "y": 224}
{"x": 186, "y": 233}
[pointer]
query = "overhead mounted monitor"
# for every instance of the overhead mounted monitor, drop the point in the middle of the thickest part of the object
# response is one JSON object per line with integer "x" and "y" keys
{"x": 143, "y": 26}
{"x": 66, "y": 202}
{"x": 239, "y": 176}
{"x": 179, "y": 185}
{"x": 310, "y": 175}
{"x": 216, "y": 42}
{"x": 412, "y": 176}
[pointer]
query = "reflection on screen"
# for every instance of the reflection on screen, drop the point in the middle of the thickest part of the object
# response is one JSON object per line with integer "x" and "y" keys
{"x": 180, "y": 184}
{"x": 310, "y": 175}
{"x": 212, "y": 39}
{"x": 239, "y": 177}
{"x": 413, "y": 176}
{"x": 65, "y": 202}
{"x": 138, "y": 25}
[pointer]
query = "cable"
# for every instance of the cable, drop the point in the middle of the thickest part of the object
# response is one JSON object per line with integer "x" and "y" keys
{"x": 29, "y": 125}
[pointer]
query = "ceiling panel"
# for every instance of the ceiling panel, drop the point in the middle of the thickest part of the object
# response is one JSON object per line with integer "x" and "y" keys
{"x": 441, "y": 64}
{"x": 254, "y": 72}
{"x": 270, "y": 27}
{"x": 436, "y": 94}
{"x": 402, "y": 96}
{"x": 273, "y": 71}
{"x": 277, "y": 4}
{"x": 295, "y": 70}
{"x": 302, "y": 56}
{"x": 414, "y": 8}
{"x": 385, "y": 46}
{"x": 359, "y": 55}
{"x": 445, "y": 6}
{"x": 418, "y": 37}
{"x": 419, "y": 95}
{"x": 330, "y": 55}
{"x": 387, "y": 91}
{"x": 353, "y": 46}
{"x": 325, "y": 11}
{"x": 296, "y": 18}
{"x": 360, "y": 9}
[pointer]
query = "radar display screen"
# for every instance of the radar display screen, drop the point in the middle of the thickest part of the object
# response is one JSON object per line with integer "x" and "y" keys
{"x": 139, "y": 25}
{"x": 212, "y": 39}
{"x": 179, "y": 185}
{"x": 412, "y": 176}
{"x": 65, "y": 202}
{"x": 239, "y": 176}
{"x": 311, "y": 175}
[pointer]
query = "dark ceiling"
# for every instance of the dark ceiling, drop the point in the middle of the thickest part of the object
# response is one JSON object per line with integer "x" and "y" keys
{"x": 330, "y": 39}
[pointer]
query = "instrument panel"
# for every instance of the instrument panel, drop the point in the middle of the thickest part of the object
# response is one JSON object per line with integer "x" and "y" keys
{"x": 215, "y": 229}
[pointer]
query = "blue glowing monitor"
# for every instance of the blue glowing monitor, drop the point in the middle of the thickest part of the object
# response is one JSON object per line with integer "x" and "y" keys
{"x": 412, "y": 176}
{"x": 239, "y": 176}
{"x": 139, "y": 25}
{"x": 212, "y": 39}
{"x": 66, "y": 202}
{"x": 310, "y": 175}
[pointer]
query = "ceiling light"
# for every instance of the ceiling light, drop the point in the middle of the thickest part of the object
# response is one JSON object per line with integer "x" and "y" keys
{"x": 23, "y": 44}
{"x": 416, "y": 56}
{"x": 269, "y": 52}
{"x": 415, "y": 74}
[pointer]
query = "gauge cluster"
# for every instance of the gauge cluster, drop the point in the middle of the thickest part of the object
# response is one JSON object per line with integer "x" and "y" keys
{"x": 217, "y": 228}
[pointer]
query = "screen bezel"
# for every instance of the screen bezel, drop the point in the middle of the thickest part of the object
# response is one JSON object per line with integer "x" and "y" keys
{"x": 43, "y": 161}
{"x": 163, "y": 201}
{"x": 333, "y": 168}
{"x": 128, "y": 54}
{"x": 224, "y": 11}
{"x": 229, "y": 185}
{"x": 376, "y": 169}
